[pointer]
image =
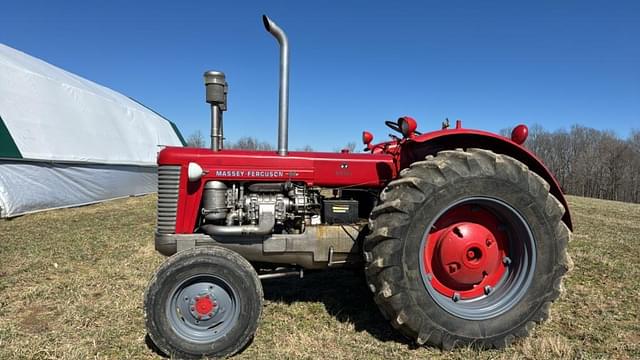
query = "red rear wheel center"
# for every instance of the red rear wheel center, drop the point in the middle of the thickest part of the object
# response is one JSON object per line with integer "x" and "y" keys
{"x": 464, "y": 253}
{"x": 463, "y": 258}
{"x": 204, "y": 305}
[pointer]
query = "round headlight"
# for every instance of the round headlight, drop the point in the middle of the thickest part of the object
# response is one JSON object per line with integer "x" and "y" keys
{"x": 408, "y": 126}
{"x": 367, "y": 137}
{"x": 194, "y": 172}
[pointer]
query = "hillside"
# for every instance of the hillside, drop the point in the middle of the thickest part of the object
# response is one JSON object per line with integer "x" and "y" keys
{"x": 72, "y": 282}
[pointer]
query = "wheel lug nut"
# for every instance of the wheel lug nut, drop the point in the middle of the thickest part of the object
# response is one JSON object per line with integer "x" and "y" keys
{"x": 487, "y": 290}
{"x": 489, "y": 242}
{"x": 456, "y": 297}
{"x": 506, "y": 260}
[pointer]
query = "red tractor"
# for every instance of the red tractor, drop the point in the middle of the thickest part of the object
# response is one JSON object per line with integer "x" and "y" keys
{"x": 462, "y": 233}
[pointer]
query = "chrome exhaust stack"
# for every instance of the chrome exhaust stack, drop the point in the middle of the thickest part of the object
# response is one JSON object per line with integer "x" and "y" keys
{"x": 216, "y": 86}
{"x": 283, "y": 107}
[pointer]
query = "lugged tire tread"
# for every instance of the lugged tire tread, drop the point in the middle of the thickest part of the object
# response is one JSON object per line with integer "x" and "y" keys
{"x": 433, "y": 172}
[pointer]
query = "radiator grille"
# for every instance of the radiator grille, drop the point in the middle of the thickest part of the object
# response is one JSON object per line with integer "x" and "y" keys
{"x": 168, "y": 184}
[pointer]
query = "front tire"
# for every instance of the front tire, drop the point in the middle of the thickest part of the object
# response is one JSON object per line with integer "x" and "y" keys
{"x": 203, "y": 302}
{"x": 466, "y": 248}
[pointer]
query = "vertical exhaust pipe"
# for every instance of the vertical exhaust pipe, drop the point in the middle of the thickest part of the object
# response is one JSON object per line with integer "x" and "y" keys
{"x": 283, "y": 107}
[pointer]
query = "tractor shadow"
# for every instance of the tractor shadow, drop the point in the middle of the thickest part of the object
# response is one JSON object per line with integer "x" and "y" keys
{"x": 153, "y": 347}
{"x": 345, "y": 296}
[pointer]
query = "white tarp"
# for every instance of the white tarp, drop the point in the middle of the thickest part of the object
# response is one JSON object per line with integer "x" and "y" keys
{"x": 77, "y": 142}
{"x": 28, "y": 187}
{"x": 55, "y": 115}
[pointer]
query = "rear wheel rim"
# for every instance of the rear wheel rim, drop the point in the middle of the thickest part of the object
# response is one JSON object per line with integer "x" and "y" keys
{"x": 203, "y": 308}
{"x": 477, "y": 258}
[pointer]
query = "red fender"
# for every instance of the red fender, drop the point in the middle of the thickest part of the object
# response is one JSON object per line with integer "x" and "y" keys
{"x": 417, "y": 148}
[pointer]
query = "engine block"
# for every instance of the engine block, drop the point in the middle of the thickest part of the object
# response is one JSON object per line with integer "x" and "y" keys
{"x": 292, "y": 206}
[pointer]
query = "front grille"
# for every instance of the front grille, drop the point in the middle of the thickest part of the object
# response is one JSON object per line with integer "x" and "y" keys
{"x": 168, "y": 184}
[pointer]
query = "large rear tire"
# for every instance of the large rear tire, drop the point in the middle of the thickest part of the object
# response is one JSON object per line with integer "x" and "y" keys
{"x": 203, "y": 302}
{"x": 466, "y": 248}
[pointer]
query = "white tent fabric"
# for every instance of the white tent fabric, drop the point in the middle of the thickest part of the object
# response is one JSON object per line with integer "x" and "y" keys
{"x": 55, "y": 115}
{"x": 76, "y": 142}
{"x": 27, "y": 187}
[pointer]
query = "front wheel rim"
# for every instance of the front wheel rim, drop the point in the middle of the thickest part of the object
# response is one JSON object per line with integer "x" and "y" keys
{"x": 477, "y": 258}
{"x": 203, "y": 308}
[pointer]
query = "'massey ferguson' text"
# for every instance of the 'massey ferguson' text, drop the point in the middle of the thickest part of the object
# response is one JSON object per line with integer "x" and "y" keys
{"x": 250, "y": 173}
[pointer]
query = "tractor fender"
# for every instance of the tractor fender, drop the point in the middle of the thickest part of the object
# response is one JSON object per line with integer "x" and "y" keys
{"x": 418, "y": 147}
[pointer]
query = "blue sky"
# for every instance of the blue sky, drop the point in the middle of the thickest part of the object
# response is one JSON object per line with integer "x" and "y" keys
{"x": 354, "y": 64}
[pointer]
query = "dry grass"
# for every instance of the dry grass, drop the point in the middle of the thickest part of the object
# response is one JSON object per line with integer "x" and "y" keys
{"x": 72, "y": 281}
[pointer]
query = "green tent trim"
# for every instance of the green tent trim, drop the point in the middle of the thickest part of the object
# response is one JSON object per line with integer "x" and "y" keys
{"x": 8, "y": 148}
{"x": 175, "y": 128}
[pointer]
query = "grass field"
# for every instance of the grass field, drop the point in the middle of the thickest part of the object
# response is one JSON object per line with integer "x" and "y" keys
{"x": 72, "y": 282}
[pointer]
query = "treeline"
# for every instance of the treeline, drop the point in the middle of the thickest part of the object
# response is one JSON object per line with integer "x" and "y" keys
{"x": 197, "y": 140}
{"x": 249, "y": 143}
{"x": 590, "y": 162}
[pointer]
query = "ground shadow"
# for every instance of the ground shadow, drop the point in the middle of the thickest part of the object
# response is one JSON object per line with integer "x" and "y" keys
{"x": 152, "y": 346}
{"x": 344, "y": 294}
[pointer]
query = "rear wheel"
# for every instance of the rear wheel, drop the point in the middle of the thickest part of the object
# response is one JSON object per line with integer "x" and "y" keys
{"x": 467, "y": 247}
{"x": 203, "y": 302}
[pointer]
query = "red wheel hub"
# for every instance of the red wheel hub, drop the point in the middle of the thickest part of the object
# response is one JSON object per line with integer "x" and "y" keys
{"x": 204, "y": 305}
{"x": 464, "y": 252}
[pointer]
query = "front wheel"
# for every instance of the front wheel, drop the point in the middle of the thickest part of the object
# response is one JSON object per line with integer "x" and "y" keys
{"x": 466, "y": 248}
{"x": 203, "y": 302}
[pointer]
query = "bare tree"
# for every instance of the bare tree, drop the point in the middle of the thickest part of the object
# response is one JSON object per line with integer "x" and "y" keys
{"x": 590, "y": 162}
{"x": 351, "y": 146}
{"x": 196, "y": 140}
{"x": 506, "y": 132}
{"x": 249, "y": 143}
{"x": 306, "y": 148}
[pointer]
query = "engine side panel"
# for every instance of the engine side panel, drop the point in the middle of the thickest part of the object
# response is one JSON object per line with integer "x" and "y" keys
{"x": 310, "y": 168}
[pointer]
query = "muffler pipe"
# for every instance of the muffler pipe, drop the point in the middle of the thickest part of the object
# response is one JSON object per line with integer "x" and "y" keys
{"x": 216, "y": 86}
{"x": 283, "y": 107}
{"x": 265, "y": 226}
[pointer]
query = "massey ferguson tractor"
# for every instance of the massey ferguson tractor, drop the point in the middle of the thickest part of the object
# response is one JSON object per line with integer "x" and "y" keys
{"x": 462, "y": 233}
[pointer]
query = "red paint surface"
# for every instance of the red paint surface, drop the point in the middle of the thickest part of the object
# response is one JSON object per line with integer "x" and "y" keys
{"x": 464, "y": 252}
{"x": 313, "y": 169}
{"x": 368, "y": 170}
{"x": 469, "y": 138}
{"x": 204, "y": 305}
{"x": 367, "y": 137}
{"x": 519, "y": 134}
{"x": 408, "y": 125}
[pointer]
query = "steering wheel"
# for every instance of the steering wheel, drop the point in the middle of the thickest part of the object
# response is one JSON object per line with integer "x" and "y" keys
{"x": 393, "y": 126}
